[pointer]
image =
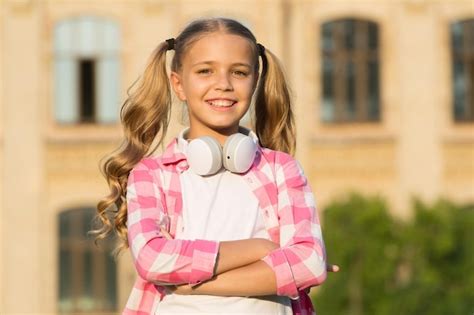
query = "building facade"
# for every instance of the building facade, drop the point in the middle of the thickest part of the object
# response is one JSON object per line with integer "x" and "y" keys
{"x": 384, "y": 104}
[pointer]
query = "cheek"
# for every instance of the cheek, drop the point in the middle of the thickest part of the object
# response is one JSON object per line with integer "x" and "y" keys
{"x": 247, "y": 88}
{"x": 196, "y": 86}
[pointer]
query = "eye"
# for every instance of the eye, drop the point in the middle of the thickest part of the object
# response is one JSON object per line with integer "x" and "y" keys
{"x": 204, "y": 71}
{"x": 240, "y": 73}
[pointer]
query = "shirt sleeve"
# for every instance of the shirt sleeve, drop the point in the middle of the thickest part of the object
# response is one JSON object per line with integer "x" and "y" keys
{"x": 157, "y": 259}
{"x": 300, "y": 262}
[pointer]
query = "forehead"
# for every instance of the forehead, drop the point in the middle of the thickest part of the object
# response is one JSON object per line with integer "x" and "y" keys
{"x": 220, "y": 48}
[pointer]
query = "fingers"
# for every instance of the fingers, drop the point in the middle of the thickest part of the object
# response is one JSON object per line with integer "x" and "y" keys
{"x": 165, "y": 233}
{"x": 332, "y": 268}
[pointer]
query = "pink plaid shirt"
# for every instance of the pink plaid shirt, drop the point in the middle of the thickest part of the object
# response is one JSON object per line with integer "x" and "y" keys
{"x": 154, "y": 199}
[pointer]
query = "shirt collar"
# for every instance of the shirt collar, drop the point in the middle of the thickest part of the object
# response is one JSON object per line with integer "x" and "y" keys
{"x": 172, "y": 154}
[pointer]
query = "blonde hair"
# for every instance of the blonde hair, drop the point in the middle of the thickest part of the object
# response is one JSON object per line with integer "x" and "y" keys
{"x": 145, "y": 116}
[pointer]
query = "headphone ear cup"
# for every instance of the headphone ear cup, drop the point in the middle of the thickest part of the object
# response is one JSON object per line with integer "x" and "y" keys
{"x": 239, "y": 153}
{"x": 204, "y": 156}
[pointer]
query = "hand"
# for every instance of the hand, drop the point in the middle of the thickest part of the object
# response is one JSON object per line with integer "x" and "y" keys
{"x": 332, "y": 268}
{"x": 165, "y": 233}
{"x": 329, "y": 268}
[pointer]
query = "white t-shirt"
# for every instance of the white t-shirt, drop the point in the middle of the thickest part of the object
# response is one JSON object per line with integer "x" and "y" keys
{"x": 220, "y": 207}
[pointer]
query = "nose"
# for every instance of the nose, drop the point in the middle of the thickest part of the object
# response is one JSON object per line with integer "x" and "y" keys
{"x": 223, "y": 82}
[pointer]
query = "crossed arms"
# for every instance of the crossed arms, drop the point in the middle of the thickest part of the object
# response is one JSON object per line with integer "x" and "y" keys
{"x": 240, "y": 268}
{"x": 234, "y": 276}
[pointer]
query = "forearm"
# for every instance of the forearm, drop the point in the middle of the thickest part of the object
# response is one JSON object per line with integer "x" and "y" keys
{"x": 255, "y": 279}
{"x": 235, "y": 254}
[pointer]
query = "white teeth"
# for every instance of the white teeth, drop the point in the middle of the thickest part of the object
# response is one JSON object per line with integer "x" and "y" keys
{"x": 221, "y": 103}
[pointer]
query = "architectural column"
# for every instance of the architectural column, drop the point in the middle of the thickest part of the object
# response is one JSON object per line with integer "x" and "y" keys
{"x": 22, "y": 180}
{"x": 2, "y": 105}
{"x": 419, "y": 156}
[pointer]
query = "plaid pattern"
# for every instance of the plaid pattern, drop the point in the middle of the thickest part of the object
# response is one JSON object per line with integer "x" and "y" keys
{"x": 154, "y": 200}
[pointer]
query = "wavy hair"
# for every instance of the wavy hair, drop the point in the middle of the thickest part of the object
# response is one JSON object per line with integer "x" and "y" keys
{"x": 145, "y": 116}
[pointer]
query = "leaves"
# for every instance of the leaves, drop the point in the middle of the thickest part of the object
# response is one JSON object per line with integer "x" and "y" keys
{"x": 423, "y": 266}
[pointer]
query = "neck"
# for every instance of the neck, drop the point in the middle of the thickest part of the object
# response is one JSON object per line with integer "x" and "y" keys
{"x": 220, "y": 134}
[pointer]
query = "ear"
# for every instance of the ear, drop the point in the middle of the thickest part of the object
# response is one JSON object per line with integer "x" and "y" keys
{"x": 177, "y": 84}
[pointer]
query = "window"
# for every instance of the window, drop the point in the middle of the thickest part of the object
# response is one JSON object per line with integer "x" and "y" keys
{"x": 462, "y": 47}
{"x": 87, "y": 89}
{"x": 86, "y": 71}
{"x": 87, "y": 273}
{"x": 350, "y": 71}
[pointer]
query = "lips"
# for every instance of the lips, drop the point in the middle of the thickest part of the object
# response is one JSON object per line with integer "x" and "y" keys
{"x": 221, "y": 102}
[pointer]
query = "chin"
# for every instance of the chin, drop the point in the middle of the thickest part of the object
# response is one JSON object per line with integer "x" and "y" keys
{"x": 223, "y": 127}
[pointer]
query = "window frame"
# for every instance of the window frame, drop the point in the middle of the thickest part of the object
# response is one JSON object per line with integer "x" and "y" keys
{"x": 359, "y": 58}
{"x": 106, "y": 54}
{"x": 463, "y": 57}
{"x": 72, "y": 226}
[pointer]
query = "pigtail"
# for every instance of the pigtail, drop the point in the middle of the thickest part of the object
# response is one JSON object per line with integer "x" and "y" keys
{"x": 145, "y": 115}
{"x": 274, "y": 122}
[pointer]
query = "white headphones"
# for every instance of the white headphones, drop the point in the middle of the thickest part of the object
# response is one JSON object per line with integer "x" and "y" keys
{"x": 206, "y": 156}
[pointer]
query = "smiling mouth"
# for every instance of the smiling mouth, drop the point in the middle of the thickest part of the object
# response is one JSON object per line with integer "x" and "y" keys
{"x": 221, "y": 103}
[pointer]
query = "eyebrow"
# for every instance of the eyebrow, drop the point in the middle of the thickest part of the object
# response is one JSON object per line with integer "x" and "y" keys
{"x": 213, "y": 62}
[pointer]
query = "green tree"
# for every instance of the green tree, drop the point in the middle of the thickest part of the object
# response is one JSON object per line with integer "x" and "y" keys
{"x": 438, "y": 251}
{"x": 363, "y": 240}
{"x": 424, "y": 266}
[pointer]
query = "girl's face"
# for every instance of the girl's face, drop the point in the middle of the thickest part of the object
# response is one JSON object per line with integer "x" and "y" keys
{"x": 217, "y": 80}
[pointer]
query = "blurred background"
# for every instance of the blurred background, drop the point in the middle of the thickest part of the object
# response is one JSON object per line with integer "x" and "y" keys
{"x": 384, "y": 104}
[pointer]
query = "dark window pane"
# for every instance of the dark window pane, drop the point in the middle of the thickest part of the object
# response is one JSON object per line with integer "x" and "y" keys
{"x": 328, "y": 69}
{"x": 350, "y": 90}
{"x": 328, "y": 90}
{"x": 63, "y": 226}
{"x": 350, "y": 34}
{"x": 350, "y": 77}
{"x": 87, "y": 224}
{"x": 87, "y": 89}
{"x": 469, "y": 27}
{"x": 456, "y": 36}
{"x": 462, "y": 41}
{"x": 92, "y": 286}
{"x": 65, "y": 288}
{"x": 373, "y": 89}
{"x": 88, "y": 273}
{"x": 327, "y": 37}
{"x": 373, "y": 36}
{"x": 470, "y": 90}
{"x": 75, "y": 224}
{"x": 459, "y": 83}
{"x": 111, "y": 282}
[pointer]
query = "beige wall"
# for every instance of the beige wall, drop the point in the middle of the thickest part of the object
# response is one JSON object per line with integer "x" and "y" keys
{"x": 23, "y": 177}
{"x": 46, "y": 168}
{"x": 2, "y": 40}
{"x": 405, "y": 154}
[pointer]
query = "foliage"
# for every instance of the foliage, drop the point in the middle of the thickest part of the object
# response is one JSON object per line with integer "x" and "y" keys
{"x": 423, "y": 266}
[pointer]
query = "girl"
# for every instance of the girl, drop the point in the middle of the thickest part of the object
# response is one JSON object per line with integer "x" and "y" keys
{"x": 224, "y": 220}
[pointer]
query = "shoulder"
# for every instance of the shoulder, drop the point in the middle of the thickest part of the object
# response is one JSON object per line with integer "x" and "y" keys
{"x": 278, "y": 158}
{"x": 149, "y": 163}
{"x": 148, "y": 166}
{"x": 144, "y": 173}
{"x": 158, "y": 162}
{"x": 286, "y": 168}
